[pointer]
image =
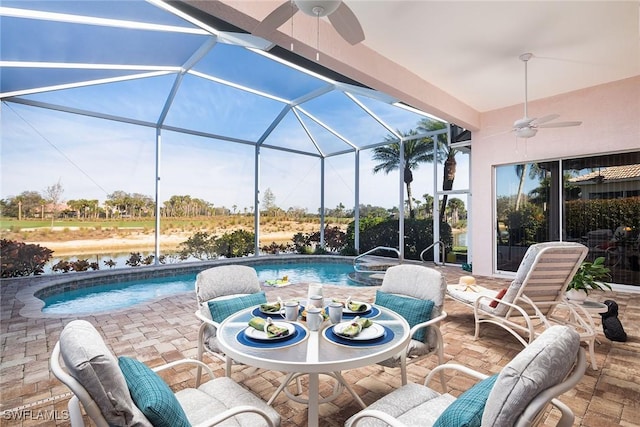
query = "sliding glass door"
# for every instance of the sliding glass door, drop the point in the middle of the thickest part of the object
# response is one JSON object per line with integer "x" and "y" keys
{"x": 592, "y": 200}
{"x": 523, "y": 210}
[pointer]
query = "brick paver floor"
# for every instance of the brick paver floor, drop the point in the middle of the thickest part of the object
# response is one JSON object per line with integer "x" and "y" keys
{"x": 166, "y": 330}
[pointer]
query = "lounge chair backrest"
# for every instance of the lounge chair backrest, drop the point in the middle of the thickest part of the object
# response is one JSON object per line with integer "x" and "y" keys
{"x": 544, "y": 273}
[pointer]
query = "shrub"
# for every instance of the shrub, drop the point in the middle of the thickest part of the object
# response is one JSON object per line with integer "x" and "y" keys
{"x": 135, "y": 259}
{"x": 418, "y": 235}
{"x": 62, "y": 265}
{"x": 274, "y": 248}
{"x": 527, "y": 226}
{"x": 201, "y": 246}
{"x": 81, "y": 265}
{"x": 586, "y": 215}
{"x": 300, "y": 242}
{"x": 21, "y": 259}
{"x": 236, "y": 244}
{"x": 334, "y": 241}
{"x": 348, "y": 251}
{"x": 110, "y": 263}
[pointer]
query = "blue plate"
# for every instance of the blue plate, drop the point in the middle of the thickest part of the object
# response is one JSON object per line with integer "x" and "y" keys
{"x": 375, "y": 311}
{"x": 299, "y": 334}
{"x": 331, "y": 336}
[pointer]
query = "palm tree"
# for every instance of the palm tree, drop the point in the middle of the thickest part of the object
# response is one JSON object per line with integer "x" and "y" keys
{"x": 428, "y": 205}
{"x": 534, "y": 172}
{"x": 416, "y": 151}
{"x": 455, "y": 208}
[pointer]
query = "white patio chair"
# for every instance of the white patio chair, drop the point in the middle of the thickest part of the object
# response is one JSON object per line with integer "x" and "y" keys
{"x": 600, "y": 243}
{"x": 422, "y": 284}
{"x": 227, "y": 289}
{"x": 126, "y": 392}
{"x": 535, "y": 299}
{"x": 238, "y": 286}
{"x": 517, "y": 396}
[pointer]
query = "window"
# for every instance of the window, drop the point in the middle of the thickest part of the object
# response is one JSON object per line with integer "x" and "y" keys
{"x": 591, "y": 200}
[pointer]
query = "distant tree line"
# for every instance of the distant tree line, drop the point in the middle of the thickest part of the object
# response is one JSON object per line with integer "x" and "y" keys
{"x": 120, "y": 204}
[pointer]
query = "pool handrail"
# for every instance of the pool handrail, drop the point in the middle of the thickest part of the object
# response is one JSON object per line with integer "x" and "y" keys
{"x": 356, "y": 259}
{"x": 442, "y": 250}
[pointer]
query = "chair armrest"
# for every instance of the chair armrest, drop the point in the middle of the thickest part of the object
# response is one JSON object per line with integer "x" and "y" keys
{"x": 477, "y": 310}
{"x": 454, "y": 366}
{"x": 513, "y": 305}
{"x": 233, "y": 412}
{"x": 579, "y": 318}
{"x": 533, "y": 412}
{"x": 206, "y": 320}
{"x": 185, "y": 362}
{"x": 567, "y": 417}
{"x": 374, "y": 413}
{"x": 429, "y": 322}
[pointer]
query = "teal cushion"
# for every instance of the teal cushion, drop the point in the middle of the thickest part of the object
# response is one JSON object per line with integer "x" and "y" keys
{"x": 412, "y": 309}
{"x": 152, "y": 395}
{"x": 466, "y": 410}
{"x": 222, "y": 308}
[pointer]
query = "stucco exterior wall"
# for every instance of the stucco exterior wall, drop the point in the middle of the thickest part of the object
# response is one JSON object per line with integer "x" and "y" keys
{"x": 610, "y": 116}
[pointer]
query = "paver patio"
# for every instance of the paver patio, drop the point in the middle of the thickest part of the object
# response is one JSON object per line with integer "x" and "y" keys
{"x": 166, "y": 330}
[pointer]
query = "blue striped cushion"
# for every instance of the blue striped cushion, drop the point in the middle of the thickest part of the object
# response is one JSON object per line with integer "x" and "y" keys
{"x": 412, "y": 309}
{"x": 223, "y": 308}
{"x": 467, "y": 409}
{"x": 152, "y": 395}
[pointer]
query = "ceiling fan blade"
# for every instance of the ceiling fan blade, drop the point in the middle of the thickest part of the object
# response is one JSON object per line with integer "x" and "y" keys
{"x": 346, "y": 24}
{"x": 560, "y": 124}
{"x": 545, "y": 119}
{"x": 504, "y": 132}
{"x": 275, "y": 19}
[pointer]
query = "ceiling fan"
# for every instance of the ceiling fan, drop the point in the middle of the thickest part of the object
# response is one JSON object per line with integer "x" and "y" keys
{"x": 340, "y": 15}
{"x": 527, "y": 127}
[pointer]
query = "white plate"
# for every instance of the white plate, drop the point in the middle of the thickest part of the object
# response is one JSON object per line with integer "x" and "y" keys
{"x": 367, "y": 307}
{"x": 252, "y": 332}
{"x": 372, "y": 332}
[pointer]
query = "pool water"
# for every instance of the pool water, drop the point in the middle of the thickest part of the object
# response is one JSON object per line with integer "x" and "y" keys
{"x": 122, "y": 295}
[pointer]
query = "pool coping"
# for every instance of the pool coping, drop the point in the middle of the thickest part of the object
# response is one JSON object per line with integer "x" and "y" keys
{"x": 51, "y": 284}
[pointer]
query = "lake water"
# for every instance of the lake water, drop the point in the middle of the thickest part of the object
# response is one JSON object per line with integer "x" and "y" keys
{"x": 460, "y": 239}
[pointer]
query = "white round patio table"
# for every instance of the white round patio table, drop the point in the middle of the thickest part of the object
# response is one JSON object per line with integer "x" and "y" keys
{"x": 314, "y": 355}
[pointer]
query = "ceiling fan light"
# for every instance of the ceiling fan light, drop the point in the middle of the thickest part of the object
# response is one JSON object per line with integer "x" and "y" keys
{"x": 311, "y": 7}
{"x": 527, "y": 132}
{"x": 522, "y": 123}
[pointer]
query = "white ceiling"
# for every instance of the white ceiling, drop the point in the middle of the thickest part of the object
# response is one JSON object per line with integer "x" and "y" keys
{"x": 470, "y": 49}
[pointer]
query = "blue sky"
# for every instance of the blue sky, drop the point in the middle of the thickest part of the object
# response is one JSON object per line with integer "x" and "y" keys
{"x": 93, "y": 157}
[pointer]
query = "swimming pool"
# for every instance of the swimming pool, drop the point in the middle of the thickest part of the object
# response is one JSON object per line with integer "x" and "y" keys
{"x": 107, "y": 297}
